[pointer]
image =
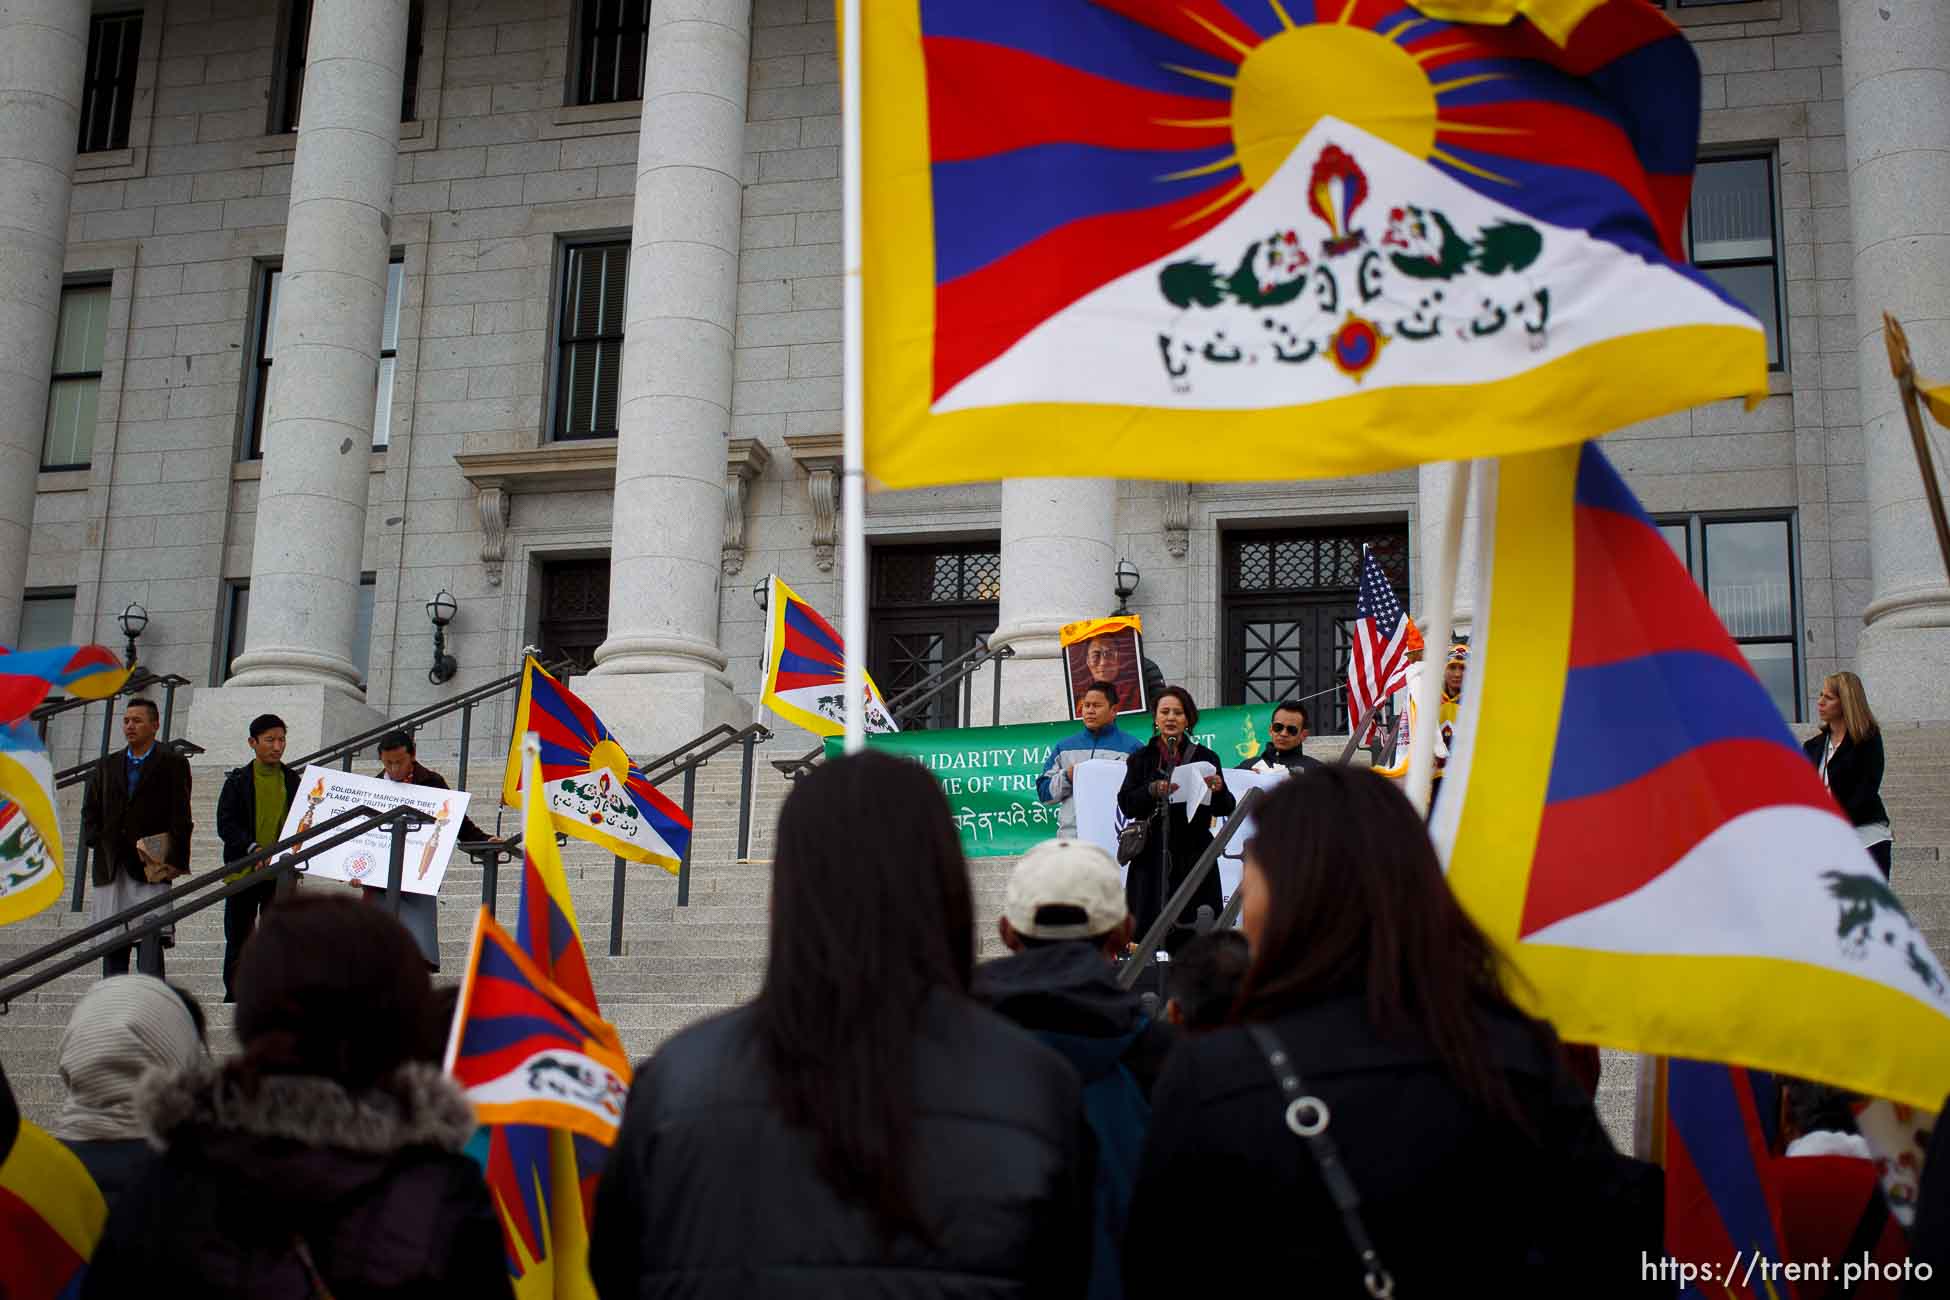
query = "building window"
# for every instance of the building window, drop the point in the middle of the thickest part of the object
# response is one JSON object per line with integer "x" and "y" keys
{"x": 236, "y": 621}
{"x": 929, "y": 605}
{"x": 263, "y": 335}
{"x": 68, "y": 441}
{"x": 108, "y": 85}
{"x": 290, "y": 96}
{"x": 590, "y": 339}
{"x": 612, "y": 38}
{"x": 1731, "y": 235}
{"x": 1288, "y": 601}
{"x": 46, "y": 618}
{"x": 574, "y": 617}
{"x": 1746, "y": 564}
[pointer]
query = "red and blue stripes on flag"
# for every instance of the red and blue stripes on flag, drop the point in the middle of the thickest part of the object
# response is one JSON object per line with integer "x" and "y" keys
{"x": 1722, "y": 1211}
{"x": 90, "y": 672}
{"x": 813, "y": 655}
{"x": 1074, "y": 141}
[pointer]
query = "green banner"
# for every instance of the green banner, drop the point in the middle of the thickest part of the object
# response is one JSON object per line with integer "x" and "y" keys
{"x": 989, "y": 773}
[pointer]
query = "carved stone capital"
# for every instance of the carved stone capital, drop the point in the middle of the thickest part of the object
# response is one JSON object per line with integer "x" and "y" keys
{"x": 818, "y": 454}
{"x": 492, "y": 502}
{"x": 745, "y": 462}
{"x": 1178, "y": 518}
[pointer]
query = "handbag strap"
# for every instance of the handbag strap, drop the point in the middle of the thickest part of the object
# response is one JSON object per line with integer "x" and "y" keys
{"x": 1307, "y": 1116}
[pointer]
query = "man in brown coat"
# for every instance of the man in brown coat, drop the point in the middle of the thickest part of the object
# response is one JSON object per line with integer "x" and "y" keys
{"x": 135, "y": 816}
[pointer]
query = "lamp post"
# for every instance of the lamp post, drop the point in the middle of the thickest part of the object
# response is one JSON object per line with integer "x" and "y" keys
{"x": 132, "y": 620}
{"x": 1127, "y": 585}
{"x": 440, "y": 612}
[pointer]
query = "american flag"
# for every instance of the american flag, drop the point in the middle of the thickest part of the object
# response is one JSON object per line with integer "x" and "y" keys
{"x": 1378, "y": 666}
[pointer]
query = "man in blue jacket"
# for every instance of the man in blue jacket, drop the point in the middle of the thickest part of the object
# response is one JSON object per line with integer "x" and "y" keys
{"x": 1100, "y": 738}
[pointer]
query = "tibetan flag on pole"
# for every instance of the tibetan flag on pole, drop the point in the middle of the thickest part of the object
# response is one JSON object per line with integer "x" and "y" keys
{"x": 543, "y": 1180}
{"x": 1723, "y": 1212}
{"x": 527, "y": 1052}
{"x": 1259, "y": 239}
{"x": 30, "y": 825}
{"x": 51, "y": 1212}
{"x": 805, "y": 669}
{"x": 90, "y": 672}
{"x": 594, "y": 792}
{"x": 1628, "y": 818}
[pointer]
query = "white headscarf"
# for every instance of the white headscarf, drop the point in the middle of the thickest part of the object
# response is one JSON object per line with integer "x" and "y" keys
{"x": 122, "y": 1028}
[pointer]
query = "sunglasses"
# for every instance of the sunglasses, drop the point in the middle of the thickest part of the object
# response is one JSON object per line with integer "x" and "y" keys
{"x": 1285, "y": 729}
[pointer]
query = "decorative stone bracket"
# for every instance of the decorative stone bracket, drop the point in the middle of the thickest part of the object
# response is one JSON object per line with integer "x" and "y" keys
{"x": 745, "y": 462}
{"x": 492, "y": 502}
{"x": 499, "y": 476}
{"x": 819, "y": 455}
{"x": 1178, "y": 517}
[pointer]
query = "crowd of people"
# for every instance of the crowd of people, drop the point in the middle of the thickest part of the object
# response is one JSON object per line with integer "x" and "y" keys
{"x": 1342, "y": 1094}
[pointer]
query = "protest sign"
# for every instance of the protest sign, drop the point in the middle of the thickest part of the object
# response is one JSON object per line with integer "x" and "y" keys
{"x": 989, "y": 773}
{"x": 325, "y": 792}
{"x": 1099, "y": 818}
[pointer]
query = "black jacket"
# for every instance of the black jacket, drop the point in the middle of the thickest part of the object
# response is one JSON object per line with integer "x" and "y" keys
{"x": 1447, "y": 1191}
{"x": 237, "y": 808}
{"x": 112, "y": 819}
{"x": 1069, "y": 989}
{"x": 373, "y": 1184}
{"x": 1188, "y": 838}
{"x": 1854, "y": 776}
{"x": 425, "y": 776}
{"x": 1294, "y": 760}
{"x": 709, "y": 1193}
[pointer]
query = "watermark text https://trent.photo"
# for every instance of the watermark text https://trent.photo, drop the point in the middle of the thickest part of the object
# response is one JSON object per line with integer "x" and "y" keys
{"x": 1749, "y": 1267}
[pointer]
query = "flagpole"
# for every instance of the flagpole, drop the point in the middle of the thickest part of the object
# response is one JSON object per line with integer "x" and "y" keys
{"x": 1439, "y": 615}
{"x": 853, "y": 524}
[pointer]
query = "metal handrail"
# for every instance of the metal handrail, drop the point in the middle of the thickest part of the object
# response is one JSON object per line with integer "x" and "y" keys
{"x": 956, "y": 672}
{"x": 348, "y": 825}
{"x": 1207, "y": 863}
{"x": 713, "y": 742}
{"x": 140, "y": 681}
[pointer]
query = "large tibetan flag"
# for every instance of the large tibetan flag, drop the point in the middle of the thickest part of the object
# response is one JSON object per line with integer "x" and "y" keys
{"x": 91, "y": 672}
{"x": 1131, "y": 237}
{"x": 805, "y": 669}
{"x": 30, "y": 825}
{"x": 543, "y": 1180}
{"x": 1638, "y": 831}
{"x": 527, "y": 1051}
{"x": 51, "y": 1212}
{"x": 594, "y": 792}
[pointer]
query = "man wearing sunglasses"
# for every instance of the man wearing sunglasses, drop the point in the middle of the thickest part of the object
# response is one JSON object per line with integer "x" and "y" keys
{"x": 1289, "y": 729}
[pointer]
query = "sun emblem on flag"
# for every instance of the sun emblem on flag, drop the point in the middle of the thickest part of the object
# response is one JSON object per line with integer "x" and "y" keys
{"x": 1356, "y": 347}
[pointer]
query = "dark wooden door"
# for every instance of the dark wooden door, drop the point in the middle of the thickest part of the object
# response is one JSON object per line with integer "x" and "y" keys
{"x": 575, "y": 611}
{"x": 929, "y": 604}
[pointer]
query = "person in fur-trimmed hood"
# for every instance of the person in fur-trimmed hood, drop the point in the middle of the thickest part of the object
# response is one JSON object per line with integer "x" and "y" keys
{"x": 326, "y": 1160}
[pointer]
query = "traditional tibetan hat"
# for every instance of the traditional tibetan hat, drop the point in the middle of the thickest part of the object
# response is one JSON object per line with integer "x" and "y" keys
{"x": 1459, "y": 654}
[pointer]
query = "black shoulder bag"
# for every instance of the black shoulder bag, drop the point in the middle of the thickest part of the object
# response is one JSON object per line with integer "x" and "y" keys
{"x": 1308, "y": 1116}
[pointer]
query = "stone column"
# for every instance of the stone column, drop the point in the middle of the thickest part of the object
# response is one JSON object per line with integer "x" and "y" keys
{"x": 43, "y": 45}
{"x": 311, "y": 502}
{"x": 1896, "y": 83}
{"x": 1058, "y": 565}
{"x": 659, "y": 677}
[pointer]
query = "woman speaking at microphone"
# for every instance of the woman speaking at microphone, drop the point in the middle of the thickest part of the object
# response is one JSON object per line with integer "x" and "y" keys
{"x": 1172, "y": 838}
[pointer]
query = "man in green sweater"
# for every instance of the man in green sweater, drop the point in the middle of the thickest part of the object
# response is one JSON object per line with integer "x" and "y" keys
{"x": 250, "y": 812}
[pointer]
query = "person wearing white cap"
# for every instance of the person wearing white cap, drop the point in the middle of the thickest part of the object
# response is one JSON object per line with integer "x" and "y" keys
{"x": 1065, "y": 922}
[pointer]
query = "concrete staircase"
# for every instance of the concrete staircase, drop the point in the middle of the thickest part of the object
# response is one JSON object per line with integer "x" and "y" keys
{"x": 680, "y": 964}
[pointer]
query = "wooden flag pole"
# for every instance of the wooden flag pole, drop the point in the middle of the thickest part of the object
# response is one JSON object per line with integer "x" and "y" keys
{"x": 853, "y": 423}
{"x": 1903, "y": 366}
{"x": 1439, "y": 617}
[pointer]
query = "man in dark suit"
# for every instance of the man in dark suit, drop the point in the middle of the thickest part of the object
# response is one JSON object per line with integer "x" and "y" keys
{"x": 137, "y": 802}
{"x": 250, "y": 813}
{"x": 1287, "y": 730}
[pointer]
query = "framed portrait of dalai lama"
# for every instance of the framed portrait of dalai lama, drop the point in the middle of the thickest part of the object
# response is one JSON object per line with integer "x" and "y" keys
{"x": 1105, "y": 650}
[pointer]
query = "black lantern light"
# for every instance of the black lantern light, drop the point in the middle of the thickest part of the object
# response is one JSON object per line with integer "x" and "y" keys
{"x": 762, "y": 593}
{"x": 440, "y": 612}
{"x": 132, "y": 621}
{"x": 1127, "y": 584}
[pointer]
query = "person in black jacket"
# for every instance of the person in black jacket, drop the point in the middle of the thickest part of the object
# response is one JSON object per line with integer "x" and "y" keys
{"x": 1172, "y": 837}
{"x": 1848, "y": 752}
{"x": 139, "y": 793}
{"x": 1471, "y": 1153}
{"x": 250, "y": 814}
{"x": 326, "y": 1160}
{"x": 1287, "y": 732}
{"x": 862, "y": 1127}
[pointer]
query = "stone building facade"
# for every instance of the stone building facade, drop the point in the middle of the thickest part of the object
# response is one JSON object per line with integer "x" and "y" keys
{"x": 200, "y": 281}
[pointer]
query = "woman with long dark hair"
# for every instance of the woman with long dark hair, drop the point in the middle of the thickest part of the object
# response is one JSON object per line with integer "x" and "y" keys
{"x": 1145, "y": 795}
{"x": 326, "y": 1159}
{"x": 862, "y": 1127}
{"x": 1848, "y": 753}
{"x": 1465, "y": 1142}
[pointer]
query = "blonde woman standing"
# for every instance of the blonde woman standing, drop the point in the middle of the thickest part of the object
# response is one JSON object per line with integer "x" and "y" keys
{"x": 1848, "y": 753}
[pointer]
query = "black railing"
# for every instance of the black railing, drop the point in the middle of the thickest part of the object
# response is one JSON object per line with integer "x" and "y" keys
{"x": 684, "y": 761}
{"x": 165, "y": 910}
{"x": 913, "y": 702}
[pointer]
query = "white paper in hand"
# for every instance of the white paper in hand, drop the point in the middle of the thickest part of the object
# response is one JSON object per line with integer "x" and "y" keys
{"x": 1188, "y": 786}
